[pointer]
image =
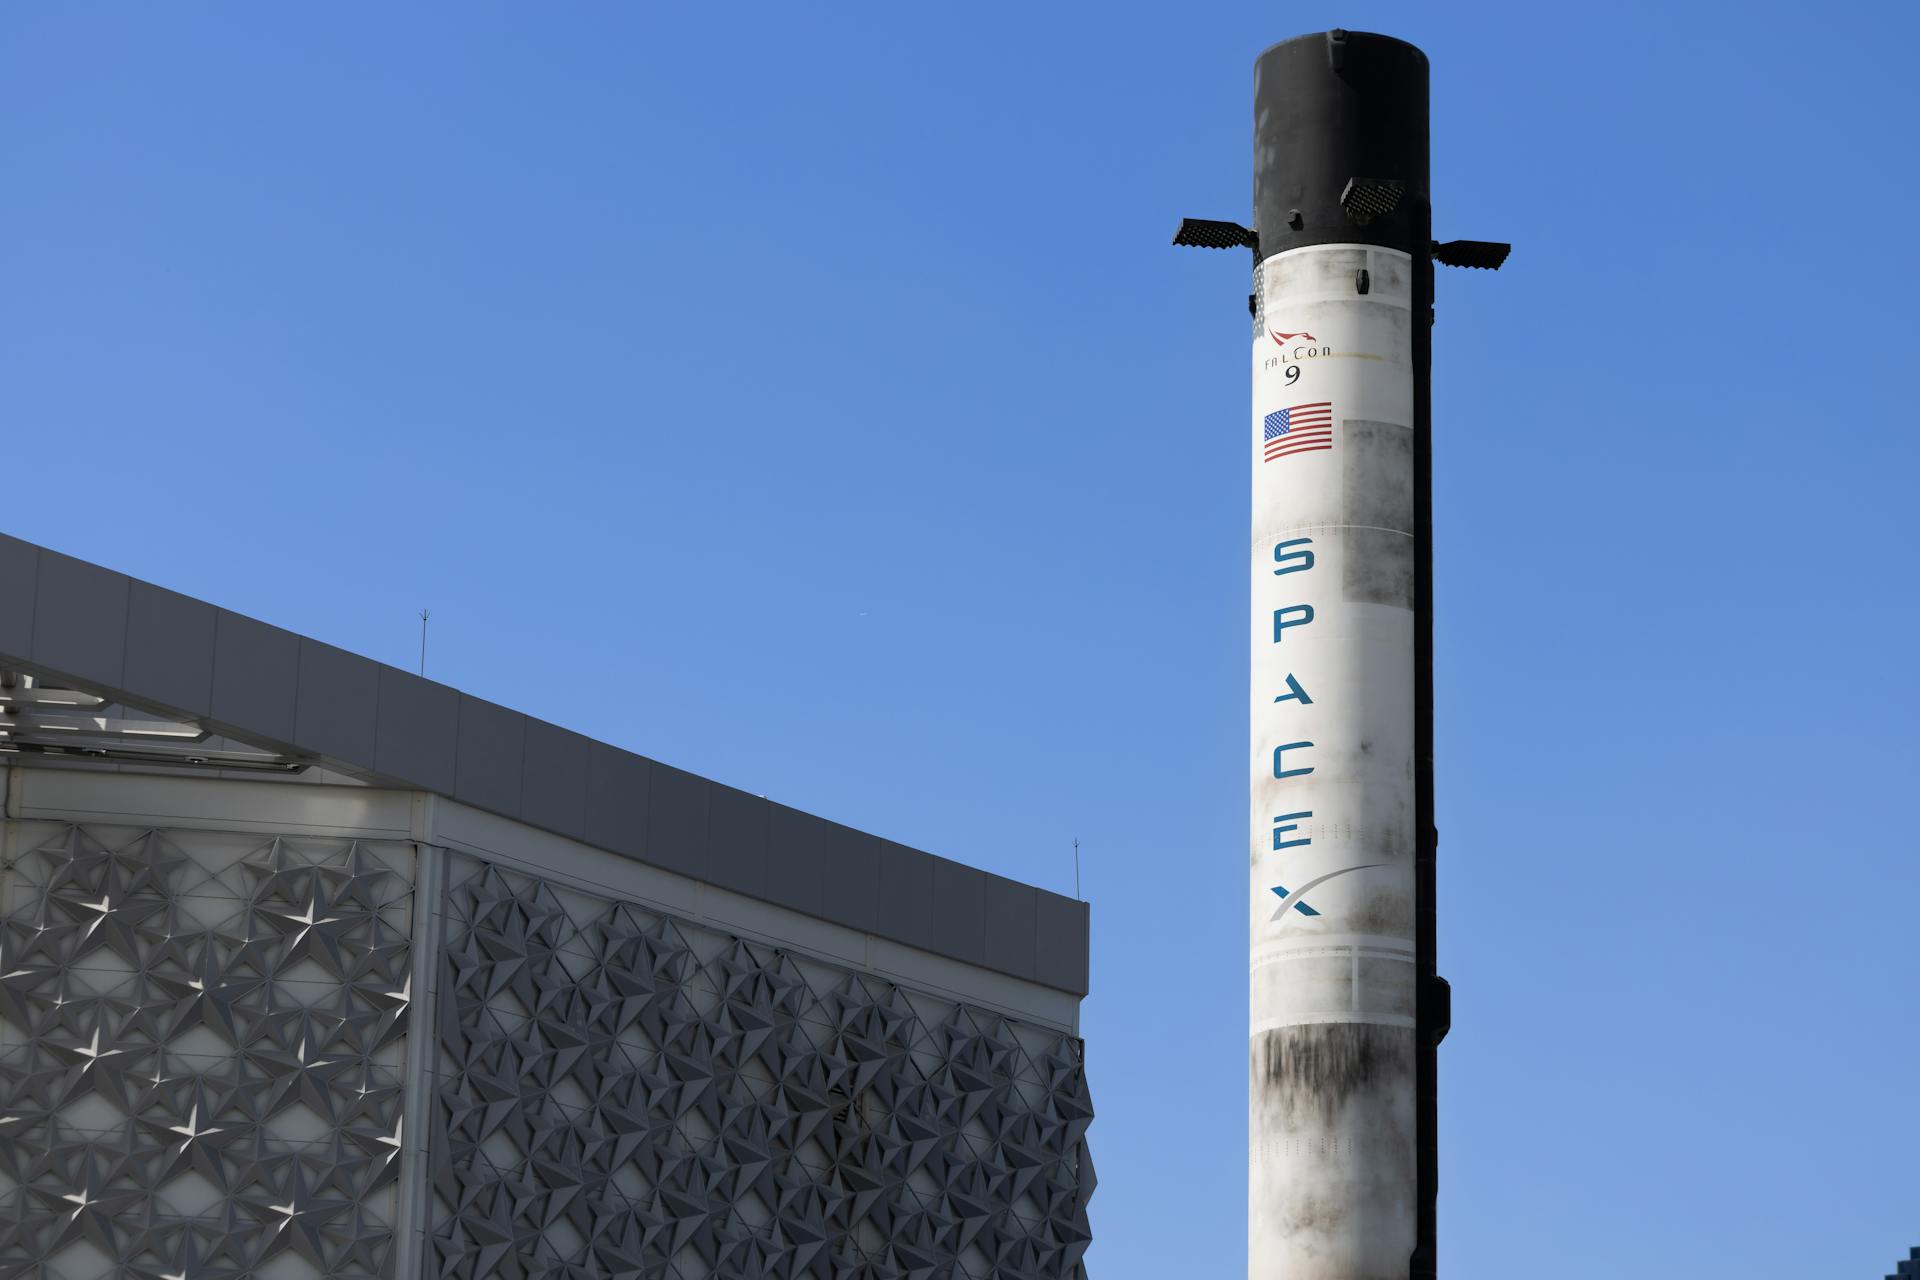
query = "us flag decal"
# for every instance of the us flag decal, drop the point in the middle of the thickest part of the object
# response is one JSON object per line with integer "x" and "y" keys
{"x": 1302, "y": 428}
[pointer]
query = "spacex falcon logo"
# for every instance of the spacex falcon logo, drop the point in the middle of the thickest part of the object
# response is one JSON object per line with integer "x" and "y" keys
{"x": 1294, "y": 348}
{"x": 1297, "y": 898}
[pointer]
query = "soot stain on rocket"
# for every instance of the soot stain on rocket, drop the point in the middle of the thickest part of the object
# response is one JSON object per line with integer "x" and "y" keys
{"x": 1320, "y": 1066}
{"x": 1388, "y": 912}
{"x": 1322, "y": 1215}
{"x": 1377, "y": 476}
{"x": 1377, "y": 498}
{"x": 1379, "y": 568}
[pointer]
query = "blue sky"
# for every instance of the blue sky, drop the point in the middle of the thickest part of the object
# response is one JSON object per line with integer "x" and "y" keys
{"x": 809, "y": 397}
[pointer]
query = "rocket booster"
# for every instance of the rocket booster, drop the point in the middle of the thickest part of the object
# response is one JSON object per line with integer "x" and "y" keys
{"x": 1346, "y": 1008}
{"x": 1341, "y": 803}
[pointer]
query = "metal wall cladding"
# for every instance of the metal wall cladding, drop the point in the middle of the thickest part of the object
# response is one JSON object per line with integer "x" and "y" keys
{"x": 204, "y": 1062}
{"x": 622, "y": 1093}
{"x": 202, "y": 1053}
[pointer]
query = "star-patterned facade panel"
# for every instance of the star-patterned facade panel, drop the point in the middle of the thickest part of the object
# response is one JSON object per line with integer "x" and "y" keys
{"x": 202, "y": 1053}
{"x": 203, "y": 1056}
{"x": 622, "y": 1093}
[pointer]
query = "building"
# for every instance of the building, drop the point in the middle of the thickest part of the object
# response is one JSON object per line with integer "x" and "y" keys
{"x": 313, "y": 967}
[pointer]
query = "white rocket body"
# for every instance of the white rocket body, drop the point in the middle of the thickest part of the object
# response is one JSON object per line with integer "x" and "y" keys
{"x": 1332, "y": 1160}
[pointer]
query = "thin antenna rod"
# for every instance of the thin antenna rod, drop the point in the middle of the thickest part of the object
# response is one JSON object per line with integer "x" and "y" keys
{"x": 1076, "y": 868}
{"x": 423, "y": 642}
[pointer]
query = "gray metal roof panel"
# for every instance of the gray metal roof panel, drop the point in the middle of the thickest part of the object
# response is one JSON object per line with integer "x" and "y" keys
{"x": 244, "y": 679}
